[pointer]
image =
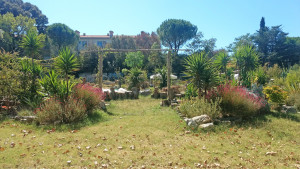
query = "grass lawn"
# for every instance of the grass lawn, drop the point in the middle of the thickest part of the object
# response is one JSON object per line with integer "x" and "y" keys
{"x": 141, "y": 134}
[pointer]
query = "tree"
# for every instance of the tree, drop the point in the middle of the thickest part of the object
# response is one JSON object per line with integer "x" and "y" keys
{"x": 121, "y": 42}
{"x": 201, "y": 71}
{"x": 174, "y": 33}
{"x": 89, "y": 59}
{"x": 62, "y": 36}
{"x": 134, "y": 59}
{"x": 155, "y": 59}
{"x": 66, "y": 62}
{"x": 13, "y": 29}
{"x": 18, "y": 7}
{"x": 198, "y": 44}
{"x": 244, "y": 40}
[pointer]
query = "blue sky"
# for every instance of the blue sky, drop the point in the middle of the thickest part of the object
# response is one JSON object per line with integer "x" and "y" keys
{"x": 221, "y": 19}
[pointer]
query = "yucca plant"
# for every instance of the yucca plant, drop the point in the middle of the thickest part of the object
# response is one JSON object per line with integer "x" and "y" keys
{"x": 247, "y": 60}
{"x": 221, "y": 61}
{"x": 201, "y": 71}
{"x": 32, "y": 44}
{"x": 67, "y": 63}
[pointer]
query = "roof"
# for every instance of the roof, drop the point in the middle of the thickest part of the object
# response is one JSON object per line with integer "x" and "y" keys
{"x": 94, "y": 36}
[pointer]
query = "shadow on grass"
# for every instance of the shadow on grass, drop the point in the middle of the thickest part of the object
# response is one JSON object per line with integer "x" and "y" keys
{"x": 290, "y": 116}
{"x": 251, "y": 122}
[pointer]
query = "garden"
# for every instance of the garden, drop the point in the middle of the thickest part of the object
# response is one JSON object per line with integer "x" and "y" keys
{"x": 150, "y": 103}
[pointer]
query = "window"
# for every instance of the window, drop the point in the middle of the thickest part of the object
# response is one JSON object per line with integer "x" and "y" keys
{"x": 82, "y": 44}
{"x": 101, "y": 44}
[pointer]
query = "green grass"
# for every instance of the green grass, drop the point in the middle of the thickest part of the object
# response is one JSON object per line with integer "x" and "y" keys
{"x": 159, "y": 137}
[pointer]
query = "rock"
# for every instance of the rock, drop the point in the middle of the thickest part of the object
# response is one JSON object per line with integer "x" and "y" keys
{"x": 132, "y": 147}
{"x": 113, "y": 95}
{"x": 128, "y": 95}
{"x": 206, "y": 125}
{"x": 192, "y": 123}
{"x": 272, "y": 153}
{"x": 103, "y": 106}
{"x": 289, "y": 109}
{"x": 135, "y": 92}
{"x": 165, "y": 103}
{"x": 174, "y": 105}
{"x": 27, "y": 119}
{"x": 145, "y": 92}
{"x": 201, "y": 119}
{"x": 163, "y": 95}
{"x": 155, "y": 94}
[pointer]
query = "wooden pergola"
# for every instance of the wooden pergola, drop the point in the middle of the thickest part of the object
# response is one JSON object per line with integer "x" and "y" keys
{"x": 169, "y": 64}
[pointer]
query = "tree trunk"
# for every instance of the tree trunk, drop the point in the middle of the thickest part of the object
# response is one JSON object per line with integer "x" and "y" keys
{"x": 169, "y": 74}
{"x": 33, "y": 78}
{"x": 100, "y": 69}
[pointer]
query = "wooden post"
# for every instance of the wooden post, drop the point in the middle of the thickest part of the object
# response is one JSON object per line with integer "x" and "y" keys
{"x": 100, "y": 69}
{"x": 169, "y": 74}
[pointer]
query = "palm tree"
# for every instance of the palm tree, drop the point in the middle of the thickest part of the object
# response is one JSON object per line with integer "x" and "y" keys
{"x": 66, "y": 62}
{"x": 201, "y": 71}
{"x": 32, "y": 44}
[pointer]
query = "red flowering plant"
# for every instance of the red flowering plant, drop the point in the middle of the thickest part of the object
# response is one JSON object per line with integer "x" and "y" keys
{"x": 90, "y": 95}
{"x": 237, "y": 100}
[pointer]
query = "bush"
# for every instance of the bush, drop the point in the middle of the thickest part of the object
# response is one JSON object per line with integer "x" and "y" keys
{"x": 190, "y": 91}
{"x": 52, "y": 111}
{"x": 237, "y": 101}
{"x": 196, "y": 107}
{"x": 74, "y": 110}
{"x": 293, "y": 100}
{"x": 275, "y": 94}
{"x": 49, "y": 112}
{"x": 91, "y": 96}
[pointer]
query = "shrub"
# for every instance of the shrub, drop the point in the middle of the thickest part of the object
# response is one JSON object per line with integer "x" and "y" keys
{"x": 49, "y": 112}
{"x": 237, "y": 101}
{"x": 293, "y": 100}
{"x": 52, "y": 111}
{"x": 74, "y": 110}
{"x": 275, "y": 94}
{"x": 196, "y": 107}
{"x": 91, "y": 96}
{"x": 190, "y": 91}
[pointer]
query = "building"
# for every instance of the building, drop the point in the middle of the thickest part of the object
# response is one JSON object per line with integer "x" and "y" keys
{"x": 93, "y": 40}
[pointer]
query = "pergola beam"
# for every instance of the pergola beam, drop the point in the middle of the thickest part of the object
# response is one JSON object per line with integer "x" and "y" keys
{"x": 169, "y": 64}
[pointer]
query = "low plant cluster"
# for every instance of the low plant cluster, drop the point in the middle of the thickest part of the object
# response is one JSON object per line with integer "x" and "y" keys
{"x": 226, "y": 100}
{"x": 237, "y": 101}
{"x": 196, "y": 107}
{"x": 83, "y": 100}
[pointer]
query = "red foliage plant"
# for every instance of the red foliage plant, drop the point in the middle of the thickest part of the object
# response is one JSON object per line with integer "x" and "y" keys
{"x": 92, "y": 96}
{"x": 237, "y": 100}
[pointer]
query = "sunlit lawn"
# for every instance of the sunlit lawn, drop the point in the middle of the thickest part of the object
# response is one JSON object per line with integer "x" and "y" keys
{"x": 140, "y": 133}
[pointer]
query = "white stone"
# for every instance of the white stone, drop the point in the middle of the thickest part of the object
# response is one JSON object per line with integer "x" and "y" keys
{"x": 206, "y": 125}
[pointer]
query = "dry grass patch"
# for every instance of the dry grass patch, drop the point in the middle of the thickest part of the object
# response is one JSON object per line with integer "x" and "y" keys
{"x": 141, "y": 133}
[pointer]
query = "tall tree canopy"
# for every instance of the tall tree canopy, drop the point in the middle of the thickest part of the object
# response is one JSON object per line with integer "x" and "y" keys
{"x": 62, "y": 36}
{"x": 174, "y": 33}
{"x": 18, "y": 7}
{"x": 13, "y": 29}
